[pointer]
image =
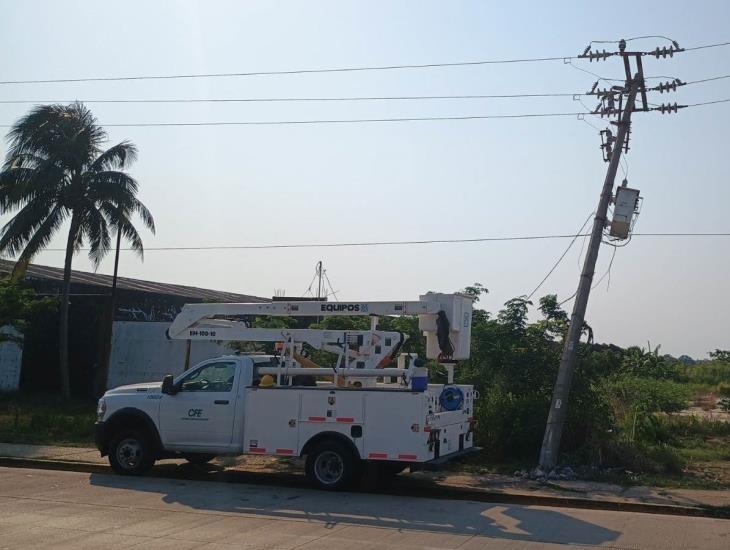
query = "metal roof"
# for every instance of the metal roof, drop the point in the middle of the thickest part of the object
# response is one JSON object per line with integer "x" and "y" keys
{"x": 42, "y": 272}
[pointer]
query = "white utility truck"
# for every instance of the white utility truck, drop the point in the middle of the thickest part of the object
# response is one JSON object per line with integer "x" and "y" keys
{"x": 361, "y": 409}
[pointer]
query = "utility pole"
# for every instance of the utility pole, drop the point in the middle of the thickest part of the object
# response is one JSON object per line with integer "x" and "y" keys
{"x": 611, "y": 105}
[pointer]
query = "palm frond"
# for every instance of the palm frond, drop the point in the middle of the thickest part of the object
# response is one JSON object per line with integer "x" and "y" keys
{"x": 39, "y": 240}
{"x": 69, "y": 133}
{"x": 119, "y": 219}
{"x": 117, "y": 157}
{"x": 135, "y": 241}
{"x": 95, "y": 227}
{"x": 20, "y": 185}
{"x": 146, "y": 216}
{"x": 111, "y": 185}
{"x": 19, "y": 230}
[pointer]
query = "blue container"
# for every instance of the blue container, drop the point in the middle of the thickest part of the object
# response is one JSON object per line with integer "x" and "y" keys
{"x": 419, "y": 379}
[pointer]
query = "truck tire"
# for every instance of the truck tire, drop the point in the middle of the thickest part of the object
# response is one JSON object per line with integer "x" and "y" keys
{"x": 131, "y": 453}
{"x": 331, "y": 466}
{"x": 198, "y": 459}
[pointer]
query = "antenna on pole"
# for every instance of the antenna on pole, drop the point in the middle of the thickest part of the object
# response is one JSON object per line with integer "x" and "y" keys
{"x": 319, "y": 279}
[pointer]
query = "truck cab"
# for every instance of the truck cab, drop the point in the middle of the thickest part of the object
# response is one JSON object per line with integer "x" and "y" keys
{"x": 198, "y": 415}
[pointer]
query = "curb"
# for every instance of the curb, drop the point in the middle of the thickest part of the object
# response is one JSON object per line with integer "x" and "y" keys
{"x": 405, "y": 487}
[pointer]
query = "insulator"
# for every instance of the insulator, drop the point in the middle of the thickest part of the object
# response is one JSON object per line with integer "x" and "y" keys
{"x": 668, "y": 108}
{"x": 664, "y": 52}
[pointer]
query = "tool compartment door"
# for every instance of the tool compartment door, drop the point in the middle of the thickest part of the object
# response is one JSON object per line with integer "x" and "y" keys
{"x": 394, "y": 423}
{"x": 325, "y": 410}
{"x": 270, "y": 421}
{"x": 454, "y": 427}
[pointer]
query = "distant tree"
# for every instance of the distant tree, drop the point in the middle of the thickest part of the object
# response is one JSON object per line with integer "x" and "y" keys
{"x": 475, "y": 291}
{"x": 721, "y": 355}
{"x": 686, "y": 360}
{"x": 17, "y": 304}
{"x": 647, "y": 363}
{"x": 56, "y": 171}
{"x": 514, "y": 313}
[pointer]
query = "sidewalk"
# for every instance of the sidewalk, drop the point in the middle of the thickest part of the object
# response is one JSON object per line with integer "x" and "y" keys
{"x": 459, "y": 485}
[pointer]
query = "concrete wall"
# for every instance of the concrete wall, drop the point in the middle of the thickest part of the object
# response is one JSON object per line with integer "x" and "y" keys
{"x": 11, "y": 359}
{"x": 142, "y": 353}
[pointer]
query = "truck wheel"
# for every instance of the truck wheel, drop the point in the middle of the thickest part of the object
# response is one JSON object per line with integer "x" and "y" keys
{"x": 198, "y": 459}
{"x": 331, "y": 466}
{"x": 130, "y": 453}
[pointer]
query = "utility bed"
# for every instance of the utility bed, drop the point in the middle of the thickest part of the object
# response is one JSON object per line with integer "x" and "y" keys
{"x": 383, "y": 423}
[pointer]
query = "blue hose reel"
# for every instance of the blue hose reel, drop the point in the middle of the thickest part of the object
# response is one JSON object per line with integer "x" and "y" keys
{"x": 451, "y": 398}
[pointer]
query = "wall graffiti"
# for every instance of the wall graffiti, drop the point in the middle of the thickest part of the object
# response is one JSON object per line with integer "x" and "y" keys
{"x": 153, "y": 312}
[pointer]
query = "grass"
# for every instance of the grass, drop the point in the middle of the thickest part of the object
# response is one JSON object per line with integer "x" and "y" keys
{"x": 46, "y": 420}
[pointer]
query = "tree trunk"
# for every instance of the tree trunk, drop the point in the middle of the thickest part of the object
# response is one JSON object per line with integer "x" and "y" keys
{"x": 106, "y": 347}
{"x": 63, "y": 317}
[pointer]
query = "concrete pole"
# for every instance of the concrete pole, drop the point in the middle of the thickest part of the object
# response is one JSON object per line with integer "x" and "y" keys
{"x": 559, "y": 405}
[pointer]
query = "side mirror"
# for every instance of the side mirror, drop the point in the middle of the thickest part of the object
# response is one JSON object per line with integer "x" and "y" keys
{"x": 168, "y": 386}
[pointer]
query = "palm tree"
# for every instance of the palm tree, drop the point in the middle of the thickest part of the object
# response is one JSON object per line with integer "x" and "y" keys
{"x": 56, "y": 171}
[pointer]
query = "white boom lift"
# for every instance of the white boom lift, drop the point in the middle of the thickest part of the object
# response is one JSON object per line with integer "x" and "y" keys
{"x": 445, "y": 320}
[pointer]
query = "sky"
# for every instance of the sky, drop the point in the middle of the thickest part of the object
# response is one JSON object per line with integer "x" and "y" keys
{"x": 250, "y": 185}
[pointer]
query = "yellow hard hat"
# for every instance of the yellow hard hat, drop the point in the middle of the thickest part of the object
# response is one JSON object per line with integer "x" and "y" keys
{"x": 267, "y": 381}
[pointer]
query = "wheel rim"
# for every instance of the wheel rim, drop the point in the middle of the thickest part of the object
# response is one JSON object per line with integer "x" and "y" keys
{"x": 329, "y": 467}
{"x": 129, "y": 453}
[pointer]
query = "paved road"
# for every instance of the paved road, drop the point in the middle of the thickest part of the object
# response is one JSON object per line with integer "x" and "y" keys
{"x": 54, "y": 509}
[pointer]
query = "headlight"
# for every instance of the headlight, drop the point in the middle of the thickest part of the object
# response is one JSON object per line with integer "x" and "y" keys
{"x": 101, "y": 410}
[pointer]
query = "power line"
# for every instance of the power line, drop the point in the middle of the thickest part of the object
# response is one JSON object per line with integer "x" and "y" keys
{"x": 708, "y": 102}
{"x": 397, "y": 243}
{"x": 707, "y": 79}
{"x": 338, "y": 99}
{"x": 560, "y": 259}
{"x": 294, "y": 99}
{"x": 333, "y": 121}
{"x": 287, "y": 72}
{"x": 359, "y": 120}
{"x": 607, "y": 273}
{"x": 717, "y": 45}
{"x": 632, "y": 39}
{"x": 314, "y": 71}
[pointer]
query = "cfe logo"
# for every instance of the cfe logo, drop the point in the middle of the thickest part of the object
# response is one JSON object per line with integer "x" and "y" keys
{"x": 195, "y": 413}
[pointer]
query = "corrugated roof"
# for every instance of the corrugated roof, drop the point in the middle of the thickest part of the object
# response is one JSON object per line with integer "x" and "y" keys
{"x": 42, "y": 272}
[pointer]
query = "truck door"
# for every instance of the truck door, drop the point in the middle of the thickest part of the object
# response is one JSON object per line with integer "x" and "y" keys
{"x": 201, "y": 414}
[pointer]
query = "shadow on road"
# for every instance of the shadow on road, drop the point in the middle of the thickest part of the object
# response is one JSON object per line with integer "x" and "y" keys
{"x": 459, "y": 517}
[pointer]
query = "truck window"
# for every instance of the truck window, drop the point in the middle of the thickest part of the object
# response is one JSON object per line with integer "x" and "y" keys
{"x": 216, "y": 377}
{"x": 262, "y": 362}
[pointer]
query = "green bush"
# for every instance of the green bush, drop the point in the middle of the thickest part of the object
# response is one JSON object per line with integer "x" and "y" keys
{"x": 711, "y": 373}
{"x": 510, "y": 426}
{"x": 631, "y": 393}
{"x": 646, "y": 459}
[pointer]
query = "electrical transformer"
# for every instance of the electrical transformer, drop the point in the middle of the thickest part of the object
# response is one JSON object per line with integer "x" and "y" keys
{"x": 624, "y": 208}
